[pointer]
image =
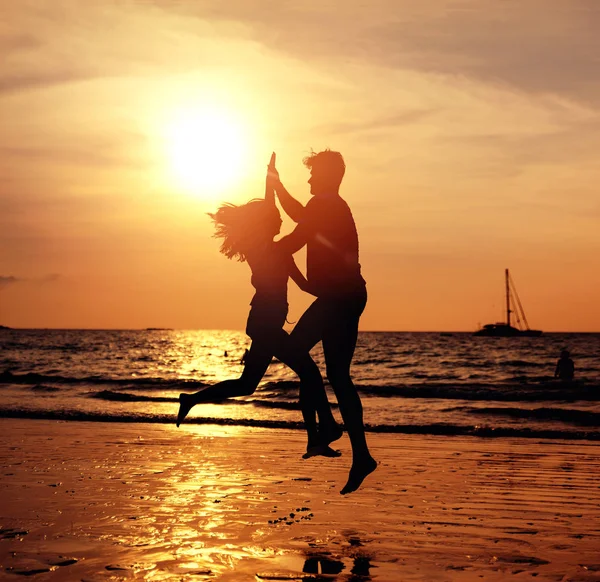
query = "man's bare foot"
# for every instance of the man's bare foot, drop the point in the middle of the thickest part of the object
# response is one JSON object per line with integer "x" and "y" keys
{"x": 358, "y": 472}
{"x": 185, "y": 405}
{"x": 321, "y": 450}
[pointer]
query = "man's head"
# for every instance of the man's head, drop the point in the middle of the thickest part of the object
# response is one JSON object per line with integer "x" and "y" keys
{"x": 327, "y": 169}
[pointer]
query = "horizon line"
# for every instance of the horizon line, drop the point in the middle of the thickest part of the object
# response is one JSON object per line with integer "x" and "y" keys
{"x": 444, "y": 331}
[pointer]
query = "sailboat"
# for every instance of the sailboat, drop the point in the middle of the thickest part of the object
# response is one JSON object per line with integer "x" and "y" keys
{"x": 513, "y": 305}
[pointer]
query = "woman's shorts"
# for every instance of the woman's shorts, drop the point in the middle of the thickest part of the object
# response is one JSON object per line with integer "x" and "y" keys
{"x": 266, "y": 321}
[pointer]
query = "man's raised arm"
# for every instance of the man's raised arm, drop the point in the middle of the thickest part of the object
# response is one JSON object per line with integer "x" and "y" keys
{"x": 290, "y": 205}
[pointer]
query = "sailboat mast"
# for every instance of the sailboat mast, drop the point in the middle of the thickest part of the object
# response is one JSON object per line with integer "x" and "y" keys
{"x": 519, "y": 305}
{"x": 507, "y": 297}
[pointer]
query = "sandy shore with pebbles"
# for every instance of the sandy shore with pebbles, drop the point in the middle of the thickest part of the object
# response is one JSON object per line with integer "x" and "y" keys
{"x": 100, "y": 501}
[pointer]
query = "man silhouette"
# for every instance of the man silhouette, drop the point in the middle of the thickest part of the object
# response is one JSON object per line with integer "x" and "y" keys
{"x": 327, "y": 228}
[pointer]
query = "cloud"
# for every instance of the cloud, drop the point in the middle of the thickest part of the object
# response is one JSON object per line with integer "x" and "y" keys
{"x": 50, "y": 278}
{"x": 536, "y": 46}
{"x": 22, "y": 81}
{"x": 573, "y": 144}
{"x": 388, "y": 123}
{"x": 5, "y": 281}
{"x": 68, "y": 42}
{"x": 88, "y": 151}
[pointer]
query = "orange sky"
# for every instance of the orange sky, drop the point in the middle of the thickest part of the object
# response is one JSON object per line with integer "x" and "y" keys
{"x": 470, "y": 129}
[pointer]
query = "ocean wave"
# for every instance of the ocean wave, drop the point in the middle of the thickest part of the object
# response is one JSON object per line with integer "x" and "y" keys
{"x": 69, "y": 347}
{"x": 370, "y": 361}
{"x": 44, "y": 388}
{"x": 521, "y": 392}
{"x": 520, "y": 389}
{"x": 567, "y": 415}
{"x": 521, "y": 364}
{"x": 8, "y": 377}
{"x": 424, "y": 429}
{"x": 280, "y": 386}
{"x": 112, "y": 396}
{"x": 275, "y": 405}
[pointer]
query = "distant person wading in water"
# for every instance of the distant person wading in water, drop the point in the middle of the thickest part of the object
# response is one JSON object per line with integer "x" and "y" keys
{"x": 326, "y": 227}
{"x": 565, "y": 368}
{"x": 247, "y": 232}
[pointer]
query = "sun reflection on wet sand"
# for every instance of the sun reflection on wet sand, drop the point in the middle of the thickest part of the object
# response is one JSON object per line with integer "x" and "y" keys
{"x": 196, "y": 508}
{"x": 204, "y": 503}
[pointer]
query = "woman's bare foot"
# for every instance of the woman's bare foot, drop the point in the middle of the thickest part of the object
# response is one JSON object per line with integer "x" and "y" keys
{"x": 185, "y": 405}
{"x": 321, "y": 450}
{"x": 359, "y": 470}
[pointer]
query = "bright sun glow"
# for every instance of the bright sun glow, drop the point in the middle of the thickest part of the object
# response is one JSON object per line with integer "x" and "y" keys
{"x": 207, "y": 151}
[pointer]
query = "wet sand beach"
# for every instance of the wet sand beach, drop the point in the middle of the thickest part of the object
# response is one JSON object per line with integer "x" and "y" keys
{"x": 117, "y": 501}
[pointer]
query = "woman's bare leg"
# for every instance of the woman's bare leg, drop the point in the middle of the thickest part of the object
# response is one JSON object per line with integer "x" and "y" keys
{"x": 257, "y": 361}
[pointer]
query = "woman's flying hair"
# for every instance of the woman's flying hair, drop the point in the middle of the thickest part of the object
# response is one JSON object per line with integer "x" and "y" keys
{"x": 240, "y": 226}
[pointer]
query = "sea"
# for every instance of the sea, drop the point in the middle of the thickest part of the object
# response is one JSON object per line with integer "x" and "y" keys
{"x": 409, "y": 383}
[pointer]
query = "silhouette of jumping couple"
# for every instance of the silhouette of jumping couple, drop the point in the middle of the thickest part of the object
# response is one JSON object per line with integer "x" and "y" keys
{"x": 326, "y": 226}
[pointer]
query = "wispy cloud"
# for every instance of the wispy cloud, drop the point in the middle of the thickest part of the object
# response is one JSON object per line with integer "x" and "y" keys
{"x": 89, "y": 151}
{"x": 388, "y": 123}
{"x": 6, "y": 280}
{"x": 536, "y": 46}
{"x": 25, "y": 80}
{"x": 50, "y": 278}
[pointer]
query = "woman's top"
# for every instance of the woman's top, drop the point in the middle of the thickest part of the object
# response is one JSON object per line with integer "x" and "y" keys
{"x": 270, "y": 268}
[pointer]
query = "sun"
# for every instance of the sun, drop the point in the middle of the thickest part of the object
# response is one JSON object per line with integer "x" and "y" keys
{"x": 206, "y": 150}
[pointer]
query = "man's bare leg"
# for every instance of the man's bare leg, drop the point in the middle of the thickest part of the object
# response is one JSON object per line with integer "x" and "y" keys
{"x": 339, "y": 342}
{"x": 363, "y": 463}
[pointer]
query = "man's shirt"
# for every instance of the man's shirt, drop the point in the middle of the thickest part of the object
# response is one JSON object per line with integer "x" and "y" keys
{"x": 332, "y": 266}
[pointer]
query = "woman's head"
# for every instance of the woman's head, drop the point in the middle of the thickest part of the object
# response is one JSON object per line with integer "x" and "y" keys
{"x": 245, "y": 226}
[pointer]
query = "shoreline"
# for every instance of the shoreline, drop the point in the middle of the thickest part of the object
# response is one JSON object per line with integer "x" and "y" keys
{"x": 91, "y": 500}
{"x": 433, "y": 430}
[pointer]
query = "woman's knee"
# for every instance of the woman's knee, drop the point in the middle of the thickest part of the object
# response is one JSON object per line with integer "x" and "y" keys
{"x": 246, "y": 386}
{"x": 242, "y": 391}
